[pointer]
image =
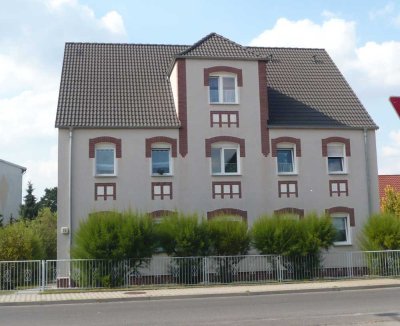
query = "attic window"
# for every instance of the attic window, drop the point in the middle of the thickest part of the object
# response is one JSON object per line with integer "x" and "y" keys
{"x": 223, "y": 89}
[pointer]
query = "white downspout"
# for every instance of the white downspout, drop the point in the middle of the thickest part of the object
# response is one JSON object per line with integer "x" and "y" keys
{"x": 367, "y": 172}
{"x": 70, "y": 190}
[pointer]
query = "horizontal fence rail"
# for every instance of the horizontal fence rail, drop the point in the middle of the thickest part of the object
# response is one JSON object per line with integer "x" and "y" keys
{"x": 101, "y": 273}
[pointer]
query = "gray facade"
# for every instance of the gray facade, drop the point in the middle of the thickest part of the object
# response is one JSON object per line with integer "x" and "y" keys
{"x": 264, "y": 118}
{"x": 10, "y": 189}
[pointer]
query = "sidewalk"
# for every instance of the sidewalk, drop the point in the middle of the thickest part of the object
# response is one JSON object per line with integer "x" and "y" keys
{"x": 28, "y": 298}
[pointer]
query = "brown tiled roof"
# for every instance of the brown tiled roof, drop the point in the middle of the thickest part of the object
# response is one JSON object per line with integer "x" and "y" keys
{"x": 305, "y": 88}
{"x": 219, "y": 47}
{"x": 127, "y": 86}
{"x": 388, "y": 180}
{"x": 117, "y": 85}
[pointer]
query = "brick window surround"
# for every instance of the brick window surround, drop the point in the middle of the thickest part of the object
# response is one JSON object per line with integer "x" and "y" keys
{"x": 227, "y": 211}
{"x": 344, "y": 141}
{"x": 226, "y": 189}
{"x": 290, "y": 210}
{"x": 338, "y": 187}
{"x": 161, "y": 213}
{"x": 105, "y": 190}
{"x": 291, "y": 140}
{"x": 161, "y": 139}
{"x": 211, "y": 70}
{"x": 341, "y": 209}
{"x": 105, "y": 139}
{"x": 287, "y": 188}
{"x": 231, "y": 117}
{"x": 228, "y": 139}
{"x": 161, "y": 190}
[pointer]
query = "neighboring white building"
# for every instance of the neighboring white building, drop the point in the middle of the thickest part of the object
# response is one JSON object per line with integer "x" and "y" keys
{"x": 210, "y": 128}
{"x": 10, "y": 189}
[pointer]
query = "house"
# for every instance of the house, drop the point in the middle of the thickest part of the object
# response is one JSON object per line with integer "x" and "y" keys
{"x": 211, "y": 127}
{"x": 385, "y": 180}
{"x": 10, "y": 189}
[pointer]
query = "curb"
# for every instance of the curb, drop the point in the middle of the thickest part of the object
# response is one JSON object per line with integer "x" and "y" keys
{"x": 199, "y": 296}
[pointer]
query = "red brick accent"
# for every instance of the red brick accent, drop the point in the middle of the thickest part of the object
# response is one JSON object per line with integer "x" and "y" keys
{"x": 342, "y": 140}
{"x": 229, "y": 193}
{"x": 161, "y": 139}
{"x": 105, "y": 139}
{"x": 105, "y": 195}
{"x": 338, "y": 191}
{"x": 229, "y": 139}
{"x": 292, "y": 140}
{"x": 161, "y": 213}
{"x": 182, "y": 107}
{"x": 341, "y": 209}
{"x": 161, "y": 195}
{"x": 290, "y": 210}
{"x": 288, "y": 193}
{"x": 211, "y": 70}
{"x": 262, "y": 83}
{"x": 229, "y": 123}
{"x": 227, "y": 211}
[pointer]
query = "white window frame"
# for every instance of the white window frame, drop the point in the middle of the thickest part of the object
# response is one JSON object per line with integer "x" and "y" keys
{"x": 107, "y": 146}
{"x": 223, "y": 147}
{"x": 348, "y": 229}
{"x": 292, "y": 147}
{"x": 162, "y": 146}
{"x": 220, "y": 89}
{"x": 344, "y": 158}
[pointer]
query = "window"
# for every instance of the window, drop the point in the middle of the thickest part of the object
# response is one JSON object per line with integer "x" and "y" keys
{"x": 287, "y": 188}
{"x": 224, "y": 118}
{"x": 105, "y": 160}
{"x": 336, "y": 155}
{"x": 285, "y": 159}
{"x": 104, "y": 191}
{"x": 224, "y": 160}
{"x": 161, "y": 161}
{"x": 161, "y": 190}
{"x": 341, "y": 224}
{"x": 228, "y": 189}
{"x": 222, "y": 89}
{"x": 338, "y": 187}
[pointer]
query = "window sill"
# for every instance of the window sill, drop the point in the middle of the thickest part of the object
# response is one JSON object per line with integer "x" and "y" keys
{"x": 218, "y": 103}
{"x": 105, "y": 175}
{"x": 156, "y": 175}
{"x": 342, "y": 244}
{"x": 337, "y": 173}
{"x": 287, "y": 173}
{"x": 226, "y": 175}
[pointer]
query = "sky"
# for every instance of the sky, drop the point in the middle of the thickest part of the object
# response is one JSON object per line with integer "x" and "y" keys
{"x": 362, "y": 37}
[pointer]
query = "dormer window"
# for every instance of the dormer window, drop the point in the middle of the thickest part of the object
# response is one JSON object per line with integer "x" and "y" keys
{"x": 223, "y": 89}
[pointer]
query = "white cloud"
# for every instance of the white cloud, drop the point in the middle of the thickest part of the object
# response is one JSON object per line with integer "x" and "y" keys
{"x": 382, "y": 12}
{"x": 30, "y": 69}
{"x": 113, "y": 22}
{"x": 390, "y": 156}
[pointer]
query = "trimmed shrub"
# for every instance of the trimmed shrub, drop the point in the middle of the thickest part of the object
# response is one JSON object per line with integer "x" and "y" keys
{"x": 121, "y": 240}
{"x": 184, "y": 235}
{"x": 115, "y": 236}
{"x": 228, "y": 237}
{"x": 287, "y": 236}
{"x": 381, "y": 232}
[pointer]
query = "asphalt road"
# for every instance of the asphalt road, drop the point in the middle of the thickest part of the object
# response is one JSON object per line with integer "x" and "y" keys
{"x": 360, "y": 307}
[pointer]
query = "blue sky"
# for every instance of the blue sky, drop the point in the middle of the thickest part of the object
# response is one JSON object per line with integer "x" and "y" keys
{"x": 362, "y": 37}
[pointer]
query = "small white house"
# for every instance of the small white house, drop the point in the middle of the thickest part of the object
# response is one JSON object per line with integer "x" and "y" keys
{"x": 10, "y": 189}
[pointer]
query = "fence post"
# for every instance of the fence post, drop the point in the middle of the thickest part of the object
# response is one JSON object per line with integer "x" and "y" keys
{"x": 279, "y": 269}
{"x": 43, "y": 279}
{"x": 205, "y": 270}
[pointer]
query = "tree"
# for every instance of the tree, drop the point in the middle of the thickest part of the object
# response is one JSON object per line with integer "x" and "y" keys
{"x": 29, "y": 210}
{"x": 45, "y": 227}
{"x": 391, "y": 201}
{"x": 49, "y": 199}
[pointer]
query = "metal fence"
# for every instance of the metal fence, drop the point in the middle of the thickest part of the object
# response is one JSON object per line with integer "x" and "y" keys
{"x": 89, "y": 274}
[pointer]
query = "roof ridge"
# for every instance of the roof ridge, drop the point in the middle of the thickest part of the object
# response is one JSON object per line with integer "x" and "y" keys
{"x": 130, "y": 44}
